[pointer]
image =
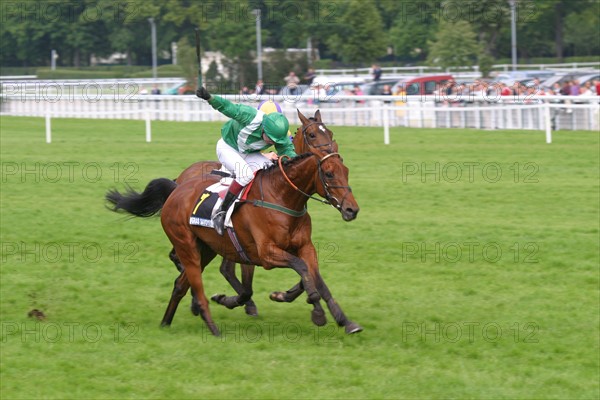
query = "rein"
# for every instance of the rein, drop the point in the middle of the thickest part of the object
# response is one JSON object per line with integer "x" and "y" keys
{"x": 326, "y": 187}
{"x": 295, "y": 213}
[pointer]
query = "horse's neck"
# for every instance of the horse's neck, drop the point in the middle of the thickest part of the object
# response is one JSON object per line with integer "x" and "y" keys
{"x": 299, "y": 142}
{"x": 302, "y": 174}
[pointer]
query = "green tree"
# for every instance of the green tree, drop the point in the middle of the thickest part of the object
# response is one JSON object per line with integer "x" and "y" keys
{"x": 455, "y": 45}
{"x": 413, "y": 26}
{"x": 359, "y": 37}
{"x": 187, "y": 61}
{"x": 581, "y": 31}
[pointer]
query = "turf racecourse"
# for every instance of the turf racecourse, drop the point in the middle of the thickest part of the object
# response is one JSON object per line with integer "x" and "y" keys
{"x": 472, "y": 266}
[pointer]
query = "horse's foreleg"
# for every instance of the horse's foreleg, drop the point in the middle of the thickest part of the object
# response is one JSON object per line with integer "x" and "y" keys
{"x": 334, "y": 307}
{"x": 272, "y": 255}
{"x": 318, "y": 314}
{"x": 288, "y": 296}
{"x": 309, "y": 254}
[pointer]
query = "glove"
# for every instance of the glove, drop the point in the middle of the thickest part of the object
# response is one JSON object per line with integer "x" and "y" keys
{"x": 203, "y": 93}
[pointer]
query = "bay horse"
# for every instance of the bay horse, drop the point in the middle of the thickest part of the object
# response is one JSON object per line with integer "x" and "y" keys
{"x": 313, "y": 136}
{"x": 269, "y": 238}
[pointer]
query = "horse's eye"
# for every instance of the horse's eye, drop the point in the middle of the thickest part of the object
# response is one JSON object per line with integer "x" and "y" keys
{"x": 329, "y": 175}
{"x": 312, "y": 135}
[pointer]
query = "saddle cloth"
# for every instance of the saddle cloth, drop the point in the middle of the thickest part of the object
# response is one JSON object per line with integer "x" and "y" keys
{"x": 210, "y": 201}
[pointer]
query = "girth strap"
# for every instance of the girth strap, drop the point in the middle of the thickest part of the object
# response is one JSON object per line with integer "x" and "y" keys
{"x": 237, "y": 245}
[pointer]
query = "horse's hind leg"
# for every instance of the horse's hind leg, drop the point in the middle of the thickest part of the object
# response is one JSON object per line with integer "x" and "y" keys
{"x": 195, "y": 306}
{"x": 244, "y": 290}
{"x": 247, "y": 277}
{"x": 173, "y": 257}
{"x": 180, "y": 288}
{"x": 194, "y": 256}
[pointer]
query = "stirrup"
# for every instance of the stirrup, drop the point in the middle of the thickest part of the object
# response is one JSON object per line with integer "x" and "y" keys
{"x": 219, "y": 222}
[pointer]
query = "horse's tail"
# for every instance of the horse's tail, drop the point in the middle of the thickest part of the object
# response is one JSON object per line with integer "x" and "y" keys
{"x": 144, "y": 204}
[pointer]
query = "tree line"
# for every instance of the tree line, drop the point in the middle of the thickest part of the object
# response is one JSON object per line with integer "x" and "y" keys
{"x": 349, "y": 32}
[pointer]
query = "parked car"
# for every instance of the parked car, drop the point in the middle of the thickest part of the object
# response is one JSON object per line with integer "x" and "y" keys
{"x": 581, "y": 76}
{"x": 338, "y": 84}
{"x": 513, "y": 76}
{"x": 421, "y": 85}
{"x": 376, "y": 88}
{"x": 588, "y": 78}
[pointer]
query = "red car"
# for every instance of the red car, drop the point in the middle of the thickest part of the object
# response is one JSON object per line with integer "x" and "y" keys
{"x": 421, "y": 85}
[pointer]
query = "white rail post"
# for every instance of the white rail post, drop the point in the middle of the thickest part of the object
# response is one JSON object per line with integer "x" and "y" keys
{"x": 386, "y": 124}
{"x": 148, "y": 127}
{"x": 48, "y": 128}
{"x": 548, "y": 122}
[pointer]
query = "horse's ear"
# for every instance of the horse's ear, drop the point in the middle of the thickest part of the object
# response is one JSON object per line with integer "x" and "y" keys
{"x": 303, "y": 119}
{"x": 318, "y": 116}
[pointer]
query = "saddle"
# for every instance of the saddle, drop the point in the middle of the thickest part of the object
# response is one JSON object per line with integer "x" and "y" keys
{"x": 211, "y": 198}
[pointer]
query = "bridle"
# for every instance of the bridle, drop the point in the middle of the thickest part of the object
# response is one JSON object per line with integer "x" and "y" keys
{"x": 326, "y": 186}
{"x": 320, "y": 124}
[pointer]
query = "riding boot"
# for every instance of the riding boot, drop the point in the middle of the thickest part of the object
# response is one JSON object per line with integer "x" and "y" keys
{"x": 230, "y": 196}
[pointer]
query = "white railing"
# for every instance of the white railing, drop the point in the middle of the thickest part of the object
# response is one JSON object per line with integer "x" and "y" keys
{"x": 16, "y": 77}
{"x": 86, "y": 87}
{"x": 548, "y": 67}
{"x": 507, "y": 112}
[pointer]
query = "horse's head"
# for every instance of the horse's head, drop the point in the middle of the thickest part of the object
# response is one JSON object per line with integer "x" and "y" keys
{"x": 313, "y": 136}
{"x": 332, "y": 184}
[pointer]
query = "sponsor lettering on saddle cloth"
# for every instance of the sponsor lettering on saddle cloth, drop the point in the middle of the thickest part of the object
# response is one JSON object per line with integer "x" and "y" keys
{"x": 210, "y": 201}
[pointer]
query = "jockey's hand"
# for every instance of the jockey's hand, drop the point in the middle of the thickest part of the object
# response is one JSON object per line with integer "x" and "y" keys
{"x": 271, "y": 156}
{"x": 203, "y": 93}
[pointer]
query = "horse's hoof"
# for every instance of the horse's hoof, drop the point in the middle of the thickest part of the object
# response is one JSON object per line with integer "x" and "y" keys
{"x": 214, "y": 330}
{"x": 353, "y": 327}
{"x": 278, "y": 297}
{"x": 251, "y": 310}
{"x": 164, "y": 324}
{"x": 318, "y": 317}
{"x": 195, "y": 308}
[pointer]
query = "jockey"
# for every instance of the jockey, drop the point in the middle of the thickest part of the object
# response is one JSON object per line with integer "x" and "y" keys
{"x": 242, "y": 138}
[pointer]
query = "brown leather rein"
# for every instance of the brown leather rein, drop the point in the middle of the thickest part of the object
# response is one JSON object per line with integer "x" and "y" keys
{"x": 328, "y": 196}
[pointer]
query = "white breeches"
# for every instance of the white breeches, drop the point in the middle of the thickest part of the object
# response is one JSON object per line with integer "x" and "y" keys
{"x": 242, "y": 165}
